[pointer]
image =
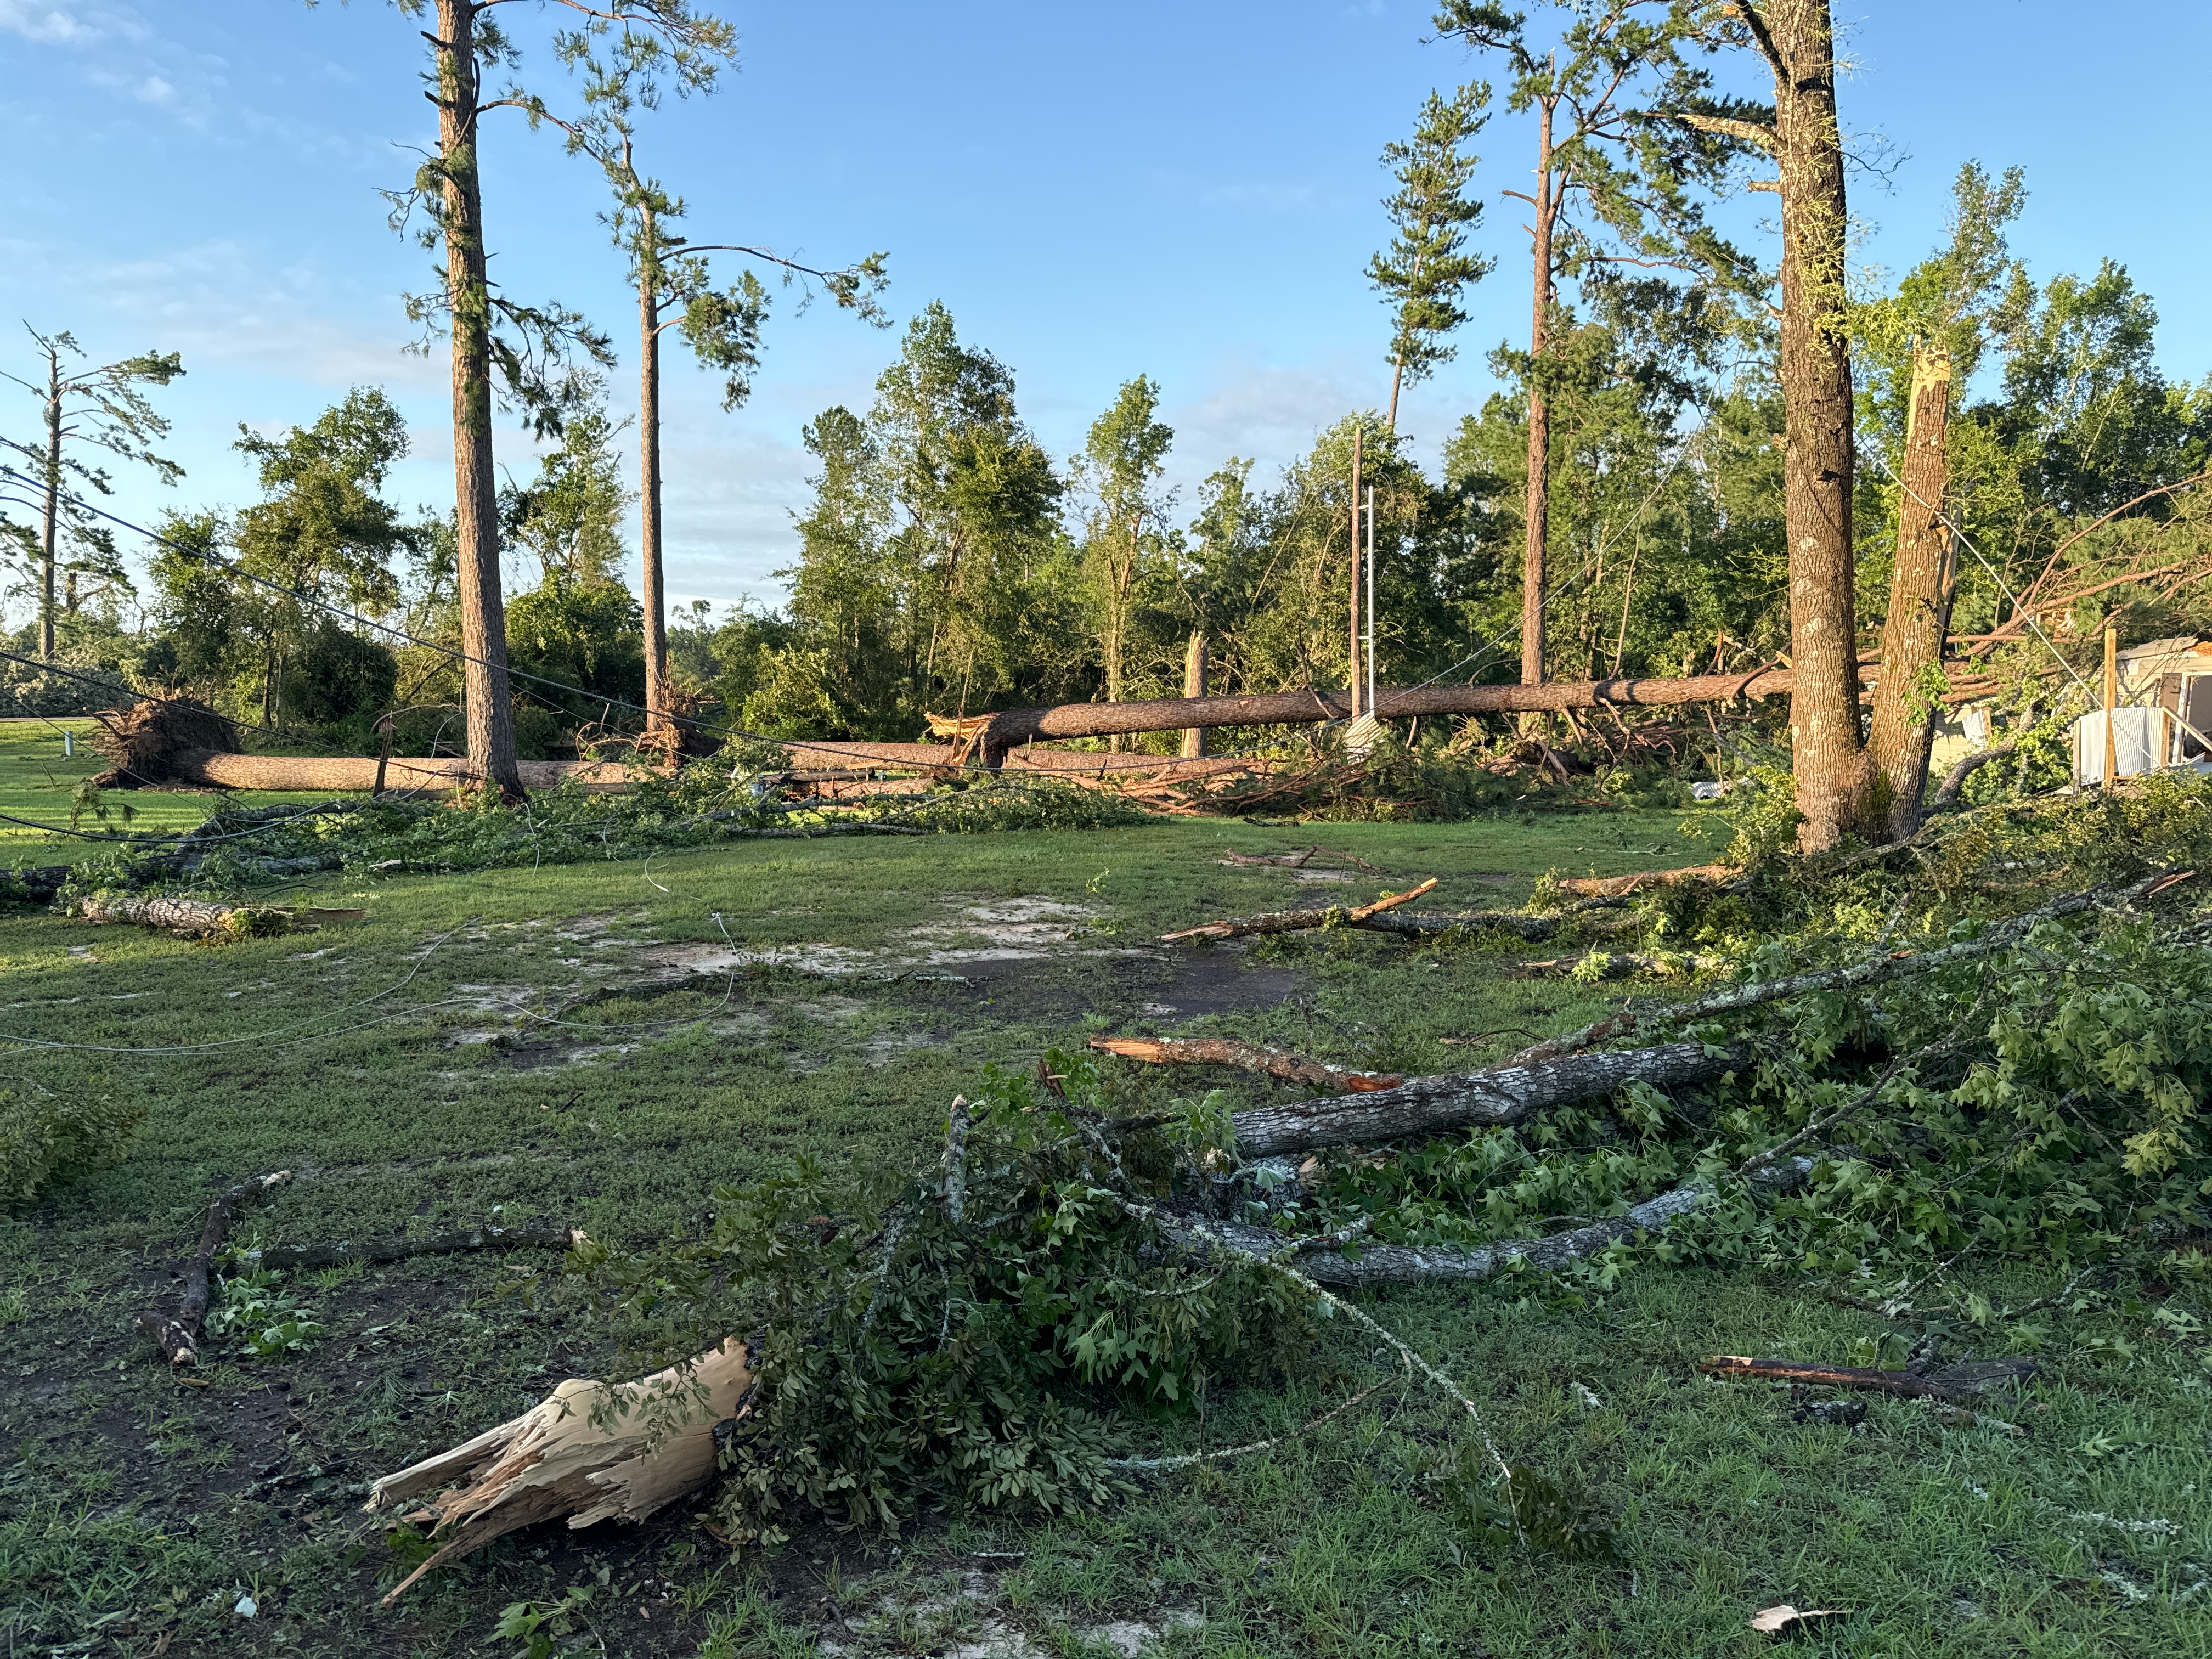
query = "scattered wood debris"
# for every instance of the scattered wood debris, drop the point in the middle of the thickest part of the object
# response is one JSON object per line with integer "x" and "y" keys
{"x": 180, "y": 1337}
{"x": 1293, "y": 921}
{"x": 1245, "y": 1056}
{"x": 1621, "y": 886}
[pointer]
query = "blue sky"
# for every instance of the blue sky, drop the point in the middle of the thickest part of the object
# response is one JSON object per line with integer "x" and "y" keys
{"x": 1188, "y": 190}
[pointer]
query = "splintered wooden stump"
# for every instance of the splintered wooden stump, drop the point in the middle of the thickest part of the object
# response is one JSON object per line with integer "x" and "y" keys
{"x": 555, "y": 1461}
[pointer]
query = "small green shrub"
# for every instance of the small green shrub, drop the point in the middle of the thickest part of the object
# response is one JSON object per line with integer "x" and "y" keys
{"x": 47, "y": 1138}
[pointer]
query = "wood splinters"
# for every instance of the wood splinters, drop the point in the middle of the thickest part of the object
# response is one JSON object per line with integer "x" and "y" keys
{"x": 556, "y": 1461}
{"x": 1292, "y": 921}
{"x": 1245, "y": 1056}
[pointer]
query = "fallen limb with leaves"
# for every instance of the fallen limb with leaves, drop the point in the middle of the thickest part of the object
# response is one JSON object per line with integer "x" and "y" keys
{"x": 1245, "y": 1057}
{"x": 1619, "y": 965}
{"x": 180, "y": 1336}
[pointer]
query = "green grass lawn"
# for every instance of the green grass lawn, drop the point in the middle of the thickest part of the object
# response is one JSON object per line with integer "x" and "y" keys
{"x": 138, "y": 1508}
{"x": 38, "y": 781}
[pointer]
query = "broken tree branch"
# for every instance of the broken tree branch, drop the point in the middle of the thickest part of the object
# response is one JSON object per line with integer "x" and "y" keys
{"x": 180, "y": 1337}
{"x": 1953, "y": 1383}
{"x": 1293, "y": 921}
{"x": 1378, "y": 1265}
{"x": 1245, "y": 1056}
{"x": 1619, "y": 886}
{"x": 1502, "y": 1095}
{"x": 1947, "y": 796}
{"x": 1619, "y": 965}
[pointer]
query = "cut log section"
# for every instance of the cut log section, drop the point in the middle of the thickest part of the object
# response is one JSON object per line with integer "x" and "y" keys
{"x": 180, "y": 1337}
{"x": 1506, "y": 1095}
{"x": 556, "y": 1461}
{"x": 203, "y": 918}
{"x": 1245, "y": 1056}
{"x": 1293, "y": 921}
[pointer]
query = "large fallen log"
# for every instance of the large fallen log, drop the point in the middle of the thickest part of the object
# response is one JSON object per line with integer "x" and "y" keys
{"x": 1245, "y": 1056}
{"x": 1504, "y": 1095}
{"x": 211, "y": 769}
{"x": 1952, "y": 1383}
{"x": 180, "y": 1337}
{"x": 1619, "y": 886}
{"x": 1293, "y": 921}
{"x": 203, "y": 918}
{"x": 1012, "y": 727}
{"x": 584, "y": 1452}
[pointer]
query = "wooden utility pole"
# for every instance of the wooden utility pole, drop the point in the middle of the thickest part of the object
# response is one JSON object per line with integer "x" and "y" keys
{"x": 2111, "y": 702}
{"x": 1193, "y": 685}
{"x": 659, "y": 724}
{"x": 1904, "y": 723}
{"x": 1359, "y": 433}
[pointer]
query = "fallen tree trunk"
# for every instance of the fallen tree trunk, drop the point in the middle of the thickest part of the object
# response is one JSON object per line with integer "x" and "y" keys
{"x": 291, "y": 1256}
{"x": 1012, "y": 727}
{"x": 1504, "y": 1095}
{"x": 557, "y": 1460}
{"x": 203, "y": 918}
{"x": 1245, "y": 1056}
{"x": 1293, "y": 921}
{"x": 180, "y": 1337}
{"x": 1377, "y": 1265}
{"x": 210, "y": 768}
{"x": 1952, "y": 1383}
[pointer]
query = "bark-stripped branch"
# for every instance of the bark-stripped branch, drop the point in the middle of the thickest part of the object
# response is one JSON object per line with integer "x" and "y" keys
{"x": 1245, "y": 1056}
{"x": 1293, "y": 921}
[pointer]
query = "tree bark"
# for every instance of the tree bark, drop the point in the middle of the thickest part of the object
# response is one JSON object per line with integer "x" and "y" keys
{"x": 653, "y": 596}
{"x": 1834, "y": 778}
{"x": 489, "y": 699}
{"x": 1358, "y": 433}
{"x": 1194, "y": 665}
{"x": 1378, "y": 1265}
{"x": 1502, "y": 1095}
{"x": 1953, "y": 1383}
{"x": 1537, "y": 527}
{"x": 1904, "y": 724}
{"x": 1947, "y": 796}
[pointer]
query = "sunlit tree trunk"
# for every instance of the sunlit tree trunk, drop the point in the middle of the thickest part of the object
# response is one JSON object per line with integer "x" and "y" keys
{"x": 483, "y": 620}
{"x": 1912, "y": 634}
{"x": 1835, "y": 780}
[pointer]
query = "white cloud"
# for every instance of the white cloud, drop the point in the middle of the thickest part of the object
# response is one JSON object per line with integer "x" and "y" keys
{"x": 51, "y": 24}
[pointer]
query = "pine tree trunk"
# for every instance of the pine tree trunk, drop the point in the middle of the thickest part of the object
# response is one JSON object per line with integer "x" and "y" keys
{"x": 651, "y": 583}
{"x": 53, "y": 482}
{"x": 1358, "y": 436}
{"x": 1912, "y": 635}
{"x": 490, "y": 712}
{"x": 1538, "y": 525}
{"x": 1834, "y": 776}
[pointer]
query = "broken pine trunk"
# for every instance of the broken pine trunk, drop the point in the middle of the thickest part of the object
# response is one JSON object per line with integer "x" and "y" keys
{"x": 1906, "y": 696}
